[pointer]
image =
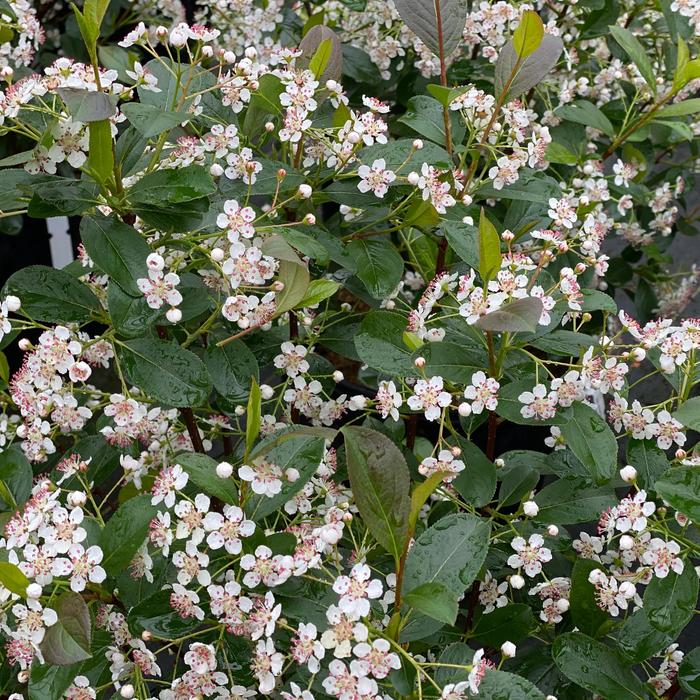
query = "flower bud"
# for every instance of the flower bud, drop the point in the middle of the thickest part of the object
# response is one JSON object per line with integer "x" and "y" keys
{"x": 24, "y": 344}
{"x": 33, "y": 591}
{"x": 413, "y": 178}
{"x": 586, "y": 317}
{"x": 531, "y": 509}
{"x": 628, "y": 473}
{"x": 626, "y": 542}
{"x": 456, "y": 450}
{"x": 127, "y": 691}
{"x": 174, "y": 315}
{"x": 508, "y": 649}
{"x": 390, "y": 304}
{"x": 217, "y": 254}
{"x": 292, "y": 475}
{"x": 155, "y": 262}
{"x": 418, "y": 144}
{"x": 240, "y": 410}
{"x": 552, "y": 530}
{"x": 338, "y": 376}
{"x": 419, "y": 362}
{"x": 207, "y": 51}
{"x": 354, "y": 137}
{"x": 562, "y": 605}
{"x": 251, "y": 53}
{"x": 464, "y": 409}
{"x": 76, "y": 499}
{"x": 499, "y": 463}
{"x": 13, "y": 303}
{"x": 229, "y": 57}
{"x": 146, "y": 635}
{"x": 517, "y": 581}
{"x": 216, "y": 170}
{"x": 310, "y": 219}
{"x": 23, "y": 676}
{"x": 269, "y": 127}
{"x": 305, "y": 191}
{"x": 266, "y": 391}
{"x": 224, "y": 470}
{"x": 681, "y": 454}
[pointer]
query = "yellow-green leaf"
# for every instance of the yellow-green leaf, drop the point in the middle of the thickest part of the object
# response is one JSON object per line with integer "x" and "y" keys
{"x": 528, "y": 35}
{"x": 252, "y": 428}
{"x": 13, "y": 579}
{"x": 489, "y": 248}
{"x": 101, "y": 156}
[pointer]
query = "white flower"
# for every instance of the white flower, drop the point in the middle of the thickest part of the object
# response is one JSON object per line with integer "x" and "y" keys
{"x": 264, "y": 476}
{"x": 662, "y": 556}
{"x": 429, "y": 397}
{"x": 483, "y": 393}
{"x": 388, "y": 400}
{"x": 539, "y": 404}
{"x": 85, "y": 566}
{"x": 170, "y": 480}
{"x": 376, "y": 178}
{"x": 530, "y": 555}
{"x": 356, "y": 590}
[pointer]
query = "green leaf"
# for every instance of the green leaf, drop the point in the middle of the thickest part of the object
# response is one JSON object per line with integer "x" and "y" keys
{"x": 165, "y": 371}
{"x": 636, "y": 52}
{"x": 438, "y": 24}
{"x": 689, "y": 414}
{"x": 172, "y": 186}
{"x": 450, "y": 552}
{"x": 680, "y": 487}
{"x": 689, "y": 672}
{"x": 669, "y": 603}
{"x": 585, "y": 613}
{"x": 679, "y": 109}
{"x": 420, "y": 494}
{"x": 476, "y": 484}
{"x": 519, "y": 316}
{"x": 380, "y": 482}
{"x": 571, "y": 500}
{"x": 528, "y": 35}
{"x": 489, "y": 248}
{"x": 590, "y": 438}
{"x": 52, "y": 295}
{"x": 380, "y": 345}
{"x": 434, "y": 600}
{"x": 300, "y": 451}
{"x": 501, "y": 685}
{"x": 586, "y": 113}
{"x": 253, "y": 415}
{"x": 649, "y": 461}
{"x": 15, "y": 478}
{"x": 322, "y": 53}
{"x": 321, "y": 57}
{"x": 510, "y": 623}
{"x": 231, "y": 367}
{"x": 425, "y": 116}
{"x": 155, "y": 615}
{"x": 100, "y": 160}
{"x": 150, "y": 120}
{"x": 296, "y": 279}
{"x": 318, "y": 291}
{"x": 13, "y": 579}
{"x": 464, "y": 241}
{"x": 117, "y": 249}
{"x": 87, "y": 105}
{"x": 532, "y": 70}
{"x": 68, "y": 640}
{"x": 379, "y": 265}
{"x": 596, "y": 667}
{"x": 455, "y": 362}
{"x": 132, "y": 316}
{"x": 125, "y": 532}
{"x": 202, "y": 472}
{"x": 639, "y": 640}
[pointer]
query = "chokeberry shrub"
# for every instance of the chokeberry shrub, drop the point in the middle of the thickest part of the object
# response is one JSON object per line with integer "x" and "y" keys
{"x": 371, "y": 379}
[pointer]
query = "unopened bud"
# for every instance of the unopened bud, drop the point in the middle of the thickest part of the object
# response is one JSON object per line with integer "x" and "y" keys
{"x": 13, "y": 303}
{"x": 517, "y": 581}
{"x": 310, "y": 219}
{"x": 266, "y": 391}
{"x": 508, "y": 649}
{"x": 217, "y": 254}
{"x": 552, "y": 530}
{"x": 628, "y": 473}
{"x": 216, "y": 170}
{"x": 531, "y": 509}
{"x": 174, "y": 315}
{"x": 224, "y": 470}
{"x": 419, "y": 362}
{"x": 338, "y": 376}
{"x": 305, "y": 191}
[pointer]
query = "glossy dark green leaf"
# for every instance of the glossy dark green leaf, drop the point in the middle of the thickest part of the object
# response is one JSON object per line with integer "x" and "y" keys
{"x": 680, "y": 487}
{"x": 150, "y": 120}
{"x": 571, "y": 500}
{"x": 117, "y": 249}
{"x": 638, "y": 640}
{"x": 15, "y": 478}
{"x": 689, "y": 413}
{"x": 449, "y": 552}
{"x": 167, "y": 372}
{"x": 670, "y": 602}
{"x": 510, "y": 623}
{"x": 379, "y": 265}
{"x": 380, "y": 482}
{"x": 649, "y": 461}
{"x": 501, "y": 685}
{"x": 596, "y": 667}
{"x": 132, "y": 316}
{"x": 202, "y": 475}
{"x": 231, "y": 367}
{"x": 380, "y": 344}
{"x": 52, "y": 295}
{"x": 68, "y": 640}
{"x": 125, "y": 532}
{"x": 590, "y": 438}
{"x": 434, "y": 600}
{"x": 585, "y": 612}
{"x": 476, "y": 484}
